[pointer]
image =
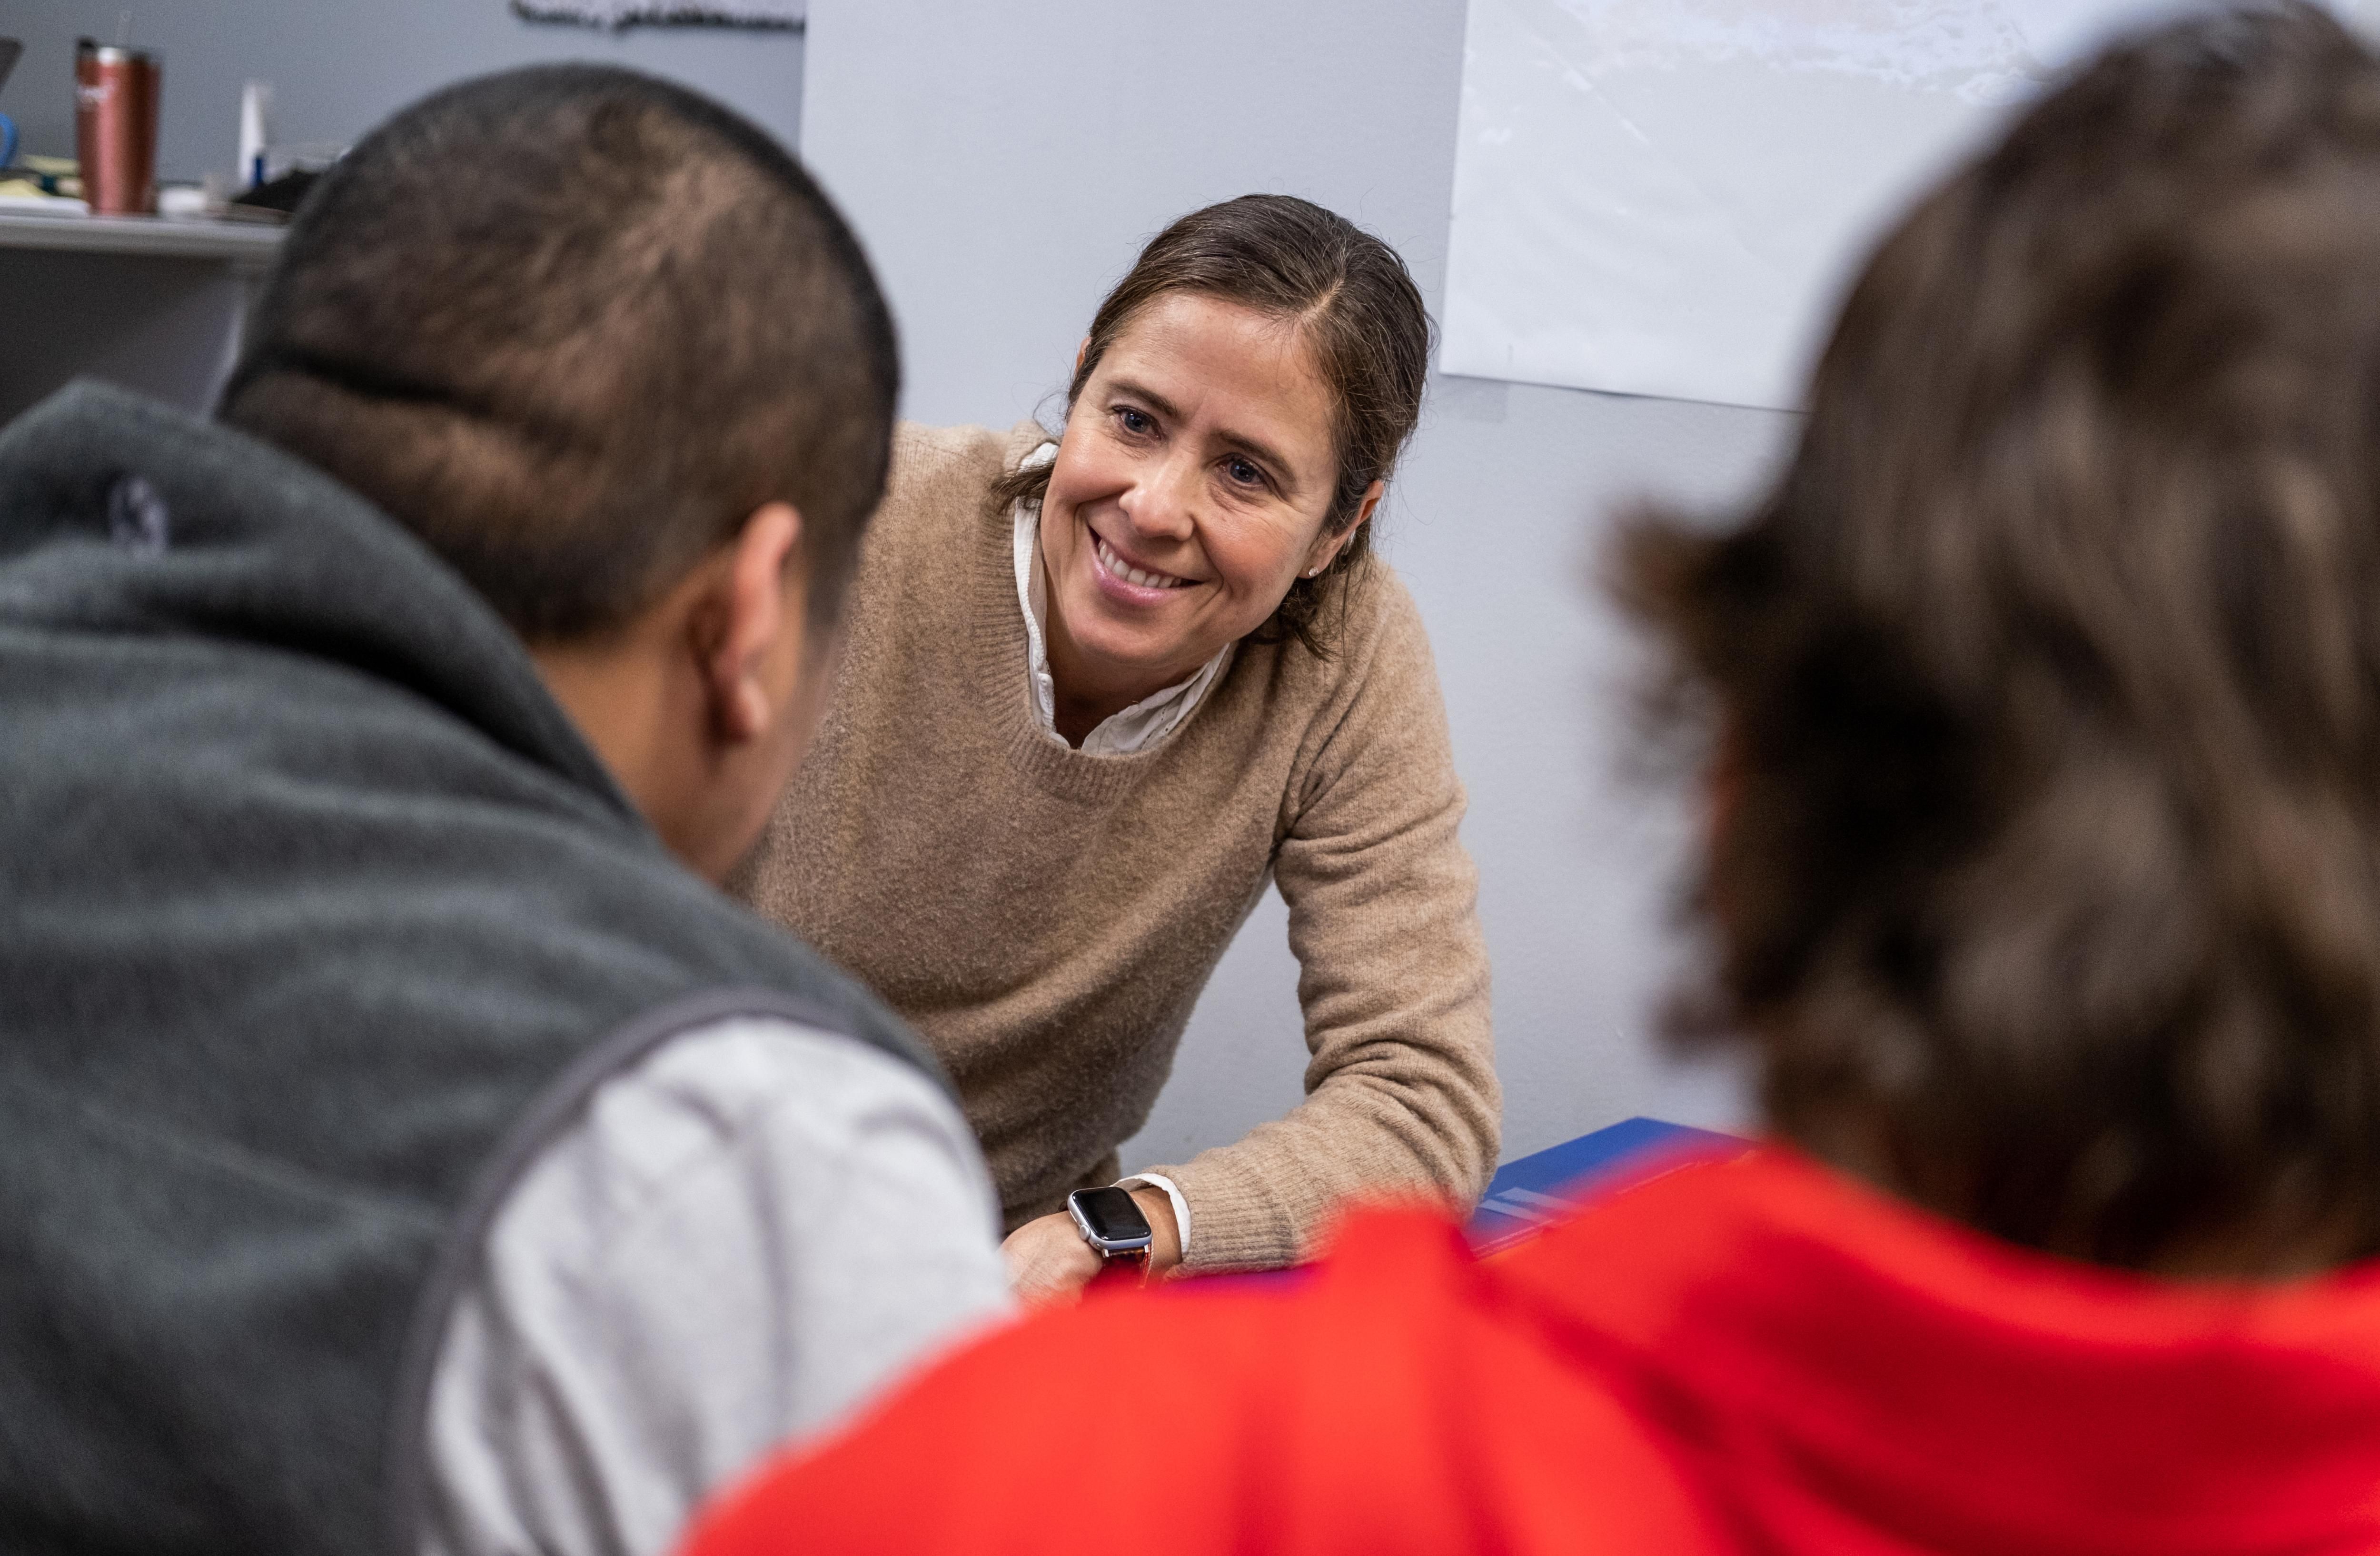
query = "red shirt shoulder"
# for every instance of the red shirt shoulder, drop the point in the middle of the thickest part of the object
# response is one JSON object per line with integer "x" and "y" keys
{"x": 1388, "y": 1399}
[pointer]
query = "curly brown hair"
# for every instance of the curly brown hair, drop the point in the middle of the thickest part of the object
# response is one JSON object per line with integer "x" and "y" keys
{"x": 1358, "y": 308}
{"x": 2045, "y": 868}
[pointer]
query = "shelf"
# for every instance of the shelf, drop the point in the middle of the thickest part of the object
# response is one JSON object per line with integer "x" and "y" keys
{"x": 247, "y": 244}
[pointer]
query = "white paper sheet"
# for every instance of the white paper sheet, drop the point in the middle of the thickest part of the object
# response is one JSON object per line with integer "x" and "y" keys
{"x": 1665, "y": 197}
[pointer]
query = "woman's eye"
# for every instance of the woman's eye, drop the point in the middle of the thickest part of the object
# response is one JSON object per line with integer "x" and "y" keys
{"x": 1243, "y": 473}
{"x": 1133, "y": 420}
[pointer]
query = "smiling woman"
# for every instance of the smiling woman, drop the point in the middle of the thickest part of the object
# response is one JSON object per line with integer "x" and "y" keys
{"x": 1193, "y": 501}
{"x": 1102, "y": 685}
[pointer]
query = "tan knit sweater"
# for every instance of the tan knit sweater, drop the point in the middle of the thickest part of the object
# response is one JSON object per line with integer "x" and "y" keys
{"x": 1047, "y": 919}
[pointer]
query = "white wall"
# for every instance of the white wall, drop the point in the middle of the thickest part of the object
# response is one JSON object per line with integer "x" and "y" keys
{"x": 1004, "y": 163}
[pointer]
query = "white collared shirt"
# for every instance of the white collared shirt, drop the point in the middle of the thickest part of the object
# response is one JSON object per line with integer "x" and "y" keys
{"x": 1137, "y": 727}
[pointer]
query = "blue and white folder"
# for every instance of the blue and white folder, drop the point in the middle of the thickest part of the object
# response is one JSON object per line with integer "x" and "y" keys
{"x": 1527, "y": 1194}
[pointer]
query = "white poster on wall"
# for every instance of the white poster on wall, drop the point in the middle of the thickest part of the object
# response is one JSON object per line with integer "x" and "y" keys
{"x": 1666, "y": 196}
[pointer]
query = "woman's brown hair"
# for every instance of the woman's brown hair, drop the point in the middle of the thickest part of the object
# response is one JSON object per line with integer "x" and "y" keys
{"x": 2045, "y": 682}
{"x": 1355, "y": 305}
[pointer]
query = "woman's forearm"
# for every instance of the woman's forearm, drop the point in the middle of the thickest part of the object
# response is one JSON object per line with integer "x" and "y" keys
{"x": 1402, "y": 1096}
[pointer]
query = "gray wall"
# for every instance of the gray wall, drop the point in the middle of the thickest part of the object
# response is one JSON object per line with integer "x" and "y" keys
{"x": 339, "y": 66}
{"x": 1004, "y": 163}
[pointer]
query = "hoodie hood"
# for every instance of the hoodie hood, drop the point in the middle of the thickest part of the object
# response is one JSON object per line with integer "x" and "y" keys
{"x": 1847, "y": 1373}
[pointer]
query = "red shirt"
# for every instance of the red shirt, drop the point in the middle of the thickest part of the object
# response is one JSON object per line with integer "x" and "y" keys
{"x": 1756, "y": 1356}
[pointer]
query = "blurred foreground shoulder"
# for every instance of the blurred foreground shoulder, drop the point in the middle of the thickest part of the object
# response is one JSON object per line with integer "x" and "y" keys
{"x": 1383, "y": 1400}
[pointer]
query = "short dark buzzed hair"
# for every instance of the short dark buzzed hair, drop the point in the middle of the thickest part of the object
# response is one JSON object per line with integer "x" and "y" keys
{"x": 571, "y": 325}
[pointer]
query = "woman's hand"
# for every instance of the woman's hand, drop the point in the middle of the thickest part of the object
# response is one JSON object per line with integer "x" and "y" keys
{"x": 1049, "y": 1261}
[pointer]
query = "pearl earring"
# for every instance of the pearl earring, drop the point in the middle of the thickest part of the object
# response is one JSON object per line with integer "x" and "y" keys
{"x": 1313, "y": 572}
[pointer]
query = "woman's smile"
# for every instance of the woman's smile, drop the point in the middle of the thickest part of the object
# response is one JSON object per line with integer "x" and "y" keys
{"x": 1126, "y": 579}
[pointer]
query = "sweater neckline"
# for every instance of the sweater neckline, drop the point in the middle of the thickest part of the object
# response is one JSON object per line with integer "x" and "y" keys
{"x": 999, "y": 652}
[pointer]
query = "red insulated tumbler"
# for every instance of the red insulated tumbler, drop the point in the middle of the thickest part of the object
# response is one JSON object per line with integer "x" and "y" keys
{"x": 116, "y": 127}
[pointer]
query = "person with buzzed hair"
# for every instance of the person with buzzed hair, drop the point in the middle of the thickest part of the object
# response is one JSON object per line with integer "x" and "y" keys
{"x": 570, "y": 326}
{"x": 404, "y": 1145}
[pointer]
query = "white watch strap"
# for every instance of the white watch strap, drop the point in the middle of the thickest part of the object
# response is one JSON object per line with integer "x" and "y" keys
{"x": 1173, "y": 1197}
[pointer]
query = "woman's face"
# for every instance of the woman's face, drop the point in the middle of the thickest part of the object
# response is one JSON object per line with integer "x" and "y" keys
{"x": 1189, "y": 493}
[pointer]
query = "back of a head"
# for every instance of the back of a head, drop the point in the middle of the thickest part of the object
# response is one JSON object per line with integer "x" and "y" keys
{"x": 2047, "y": 866}
{"x": 571, "y": 325}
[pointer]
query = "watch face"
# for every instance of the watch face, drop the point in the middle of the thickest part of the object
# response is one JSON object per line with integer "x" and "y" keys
{"x": 1111, "y": 1214}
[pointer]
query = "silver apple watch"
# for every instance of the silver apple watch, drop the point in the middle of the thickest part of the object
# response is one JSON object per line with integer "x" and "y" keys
{"x": 1110, "y": 1222}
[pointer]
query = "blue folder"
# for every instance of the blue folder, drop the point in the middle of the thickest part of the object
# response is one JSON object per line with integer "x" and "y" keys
{"x": 1528, "y": 1193}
